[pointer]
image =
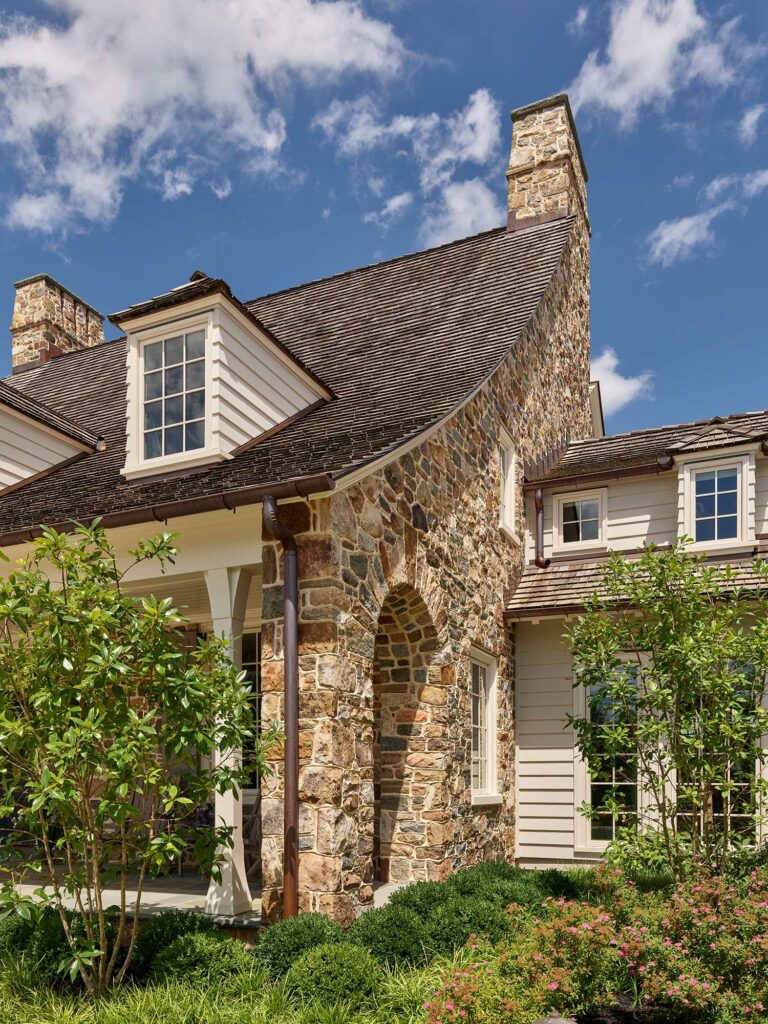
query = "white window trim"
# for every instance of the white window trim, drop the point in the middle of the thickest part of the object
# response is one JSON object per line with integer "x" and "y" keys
{"x": 136, "y": 465}
{"x": 559, "y": 545}
{"x": 508, "y": 503}
{"x": 745, "y": 467}
{"x": 490, "y": 796}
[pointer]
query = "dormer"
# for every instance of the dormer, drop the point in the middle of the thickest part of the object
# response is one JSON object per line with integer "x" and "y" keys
{"x": 206, "y": 379}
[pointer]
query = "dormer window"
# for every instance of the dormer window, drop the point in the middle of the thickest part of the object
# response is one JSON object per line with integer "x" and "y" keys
{"x": 174, "y": 394}
{"x": 718, "y": 501}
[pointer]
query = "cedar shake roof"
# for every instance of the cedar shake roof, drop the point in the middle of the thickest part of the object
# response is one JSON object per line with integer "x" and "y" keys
{"x": 27, "y": 406}
{"x": 564, "y": 587}
{"x": 401, "y": 345}
{"x": 640, "y": 448}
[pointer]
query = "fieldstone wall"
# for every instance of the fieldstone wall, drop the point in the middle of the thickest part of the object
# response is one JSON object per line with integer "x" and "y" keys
{"x": 401, "y": 574}
{"x": 49, "y": 320}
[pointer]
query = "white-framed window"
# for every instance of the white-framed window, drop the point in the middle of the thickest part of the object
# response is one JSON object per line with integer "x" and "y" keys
{"x": 173, "y": 394}
{"x": 483, "y": 727}
{"x": 508, "y": 486}
{"x": 580, "y": 520}
{"x": 716, "y": 501}
{"x": 614, "y": 782}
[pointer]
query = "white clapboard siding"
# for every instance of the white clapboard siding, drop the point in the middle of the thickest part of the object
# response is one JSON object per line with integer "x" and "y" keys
{"x": 761, "y": 495}
{"x": 254, "y": 387}
{"x": 544, "y": 744}
{"x": 641, "y": 510}
{"x": 27, "y": 449}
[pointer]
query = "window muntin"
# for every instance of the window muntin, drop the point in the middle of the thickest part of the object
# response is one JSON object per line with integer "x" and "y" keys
{"x": 483, "y": 725}
{"x": 716, "y": 504}
{"x": 613, "y": 787}
{"x": 173, "y": 393}
{"x": 580, "y": 520}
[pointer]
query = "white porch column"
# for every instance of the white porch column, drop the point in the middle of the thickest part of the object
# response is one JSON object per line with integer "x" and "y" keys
{"x": 228, "y": 594}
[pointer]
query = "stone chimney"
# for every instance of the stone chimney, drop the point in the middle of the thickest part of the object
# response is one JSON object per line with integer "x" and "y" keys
{"x": 547, "y": 178}
{"x": 49, "y": 320}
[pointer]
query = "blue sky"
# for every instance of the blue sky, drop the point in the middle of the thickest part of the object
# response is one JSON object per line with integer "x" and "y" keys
{"x": 275, "y": 142}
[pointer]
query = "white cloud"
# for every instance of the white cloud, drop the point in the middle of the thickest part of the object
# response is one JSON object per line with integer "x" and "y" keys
{"x": 656, "y": 48}
{"x": 682, "y": 181}
{"x": 463, "y": 208}
{"x": 222, "y": 188}
{"x": 616, "y": 391}
{"x": 746, "y": 185}
{"x": 675, "y": 240}
{"x": 439, "y": 147}
{"x": 578, "y": 22}
{"x": 392, "y": 210}
{"x": 750, "y": 122}
{"x": 754, "y": 183}
{"x": 89, "y": 97}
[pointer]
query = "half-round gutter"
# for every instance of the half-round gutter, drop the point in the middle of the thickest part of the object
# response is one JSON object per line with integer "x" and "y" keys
{"x": 538, "y": 499}
{"x": 291, "y": 713}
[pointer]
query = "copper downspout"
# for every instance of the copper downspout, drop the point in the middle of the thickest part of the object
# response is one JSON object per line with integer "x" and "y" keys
{"x": 540, "y": 560}
{"x": 291, "y": 684}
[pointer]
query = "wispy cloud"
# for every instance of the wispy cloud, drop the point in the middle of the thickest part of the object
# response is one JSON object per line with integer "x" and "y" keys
{"x": 578, "y": 22}
{"x": 655, "y": 49}
{"x": 750, "y": 122}
{"x": 681, "y": 238}
{"x": 617, "y": 390}
{"x": 90, "y": 100}
{"x": 439, "y": 148}
{"x": 392, "y": 210}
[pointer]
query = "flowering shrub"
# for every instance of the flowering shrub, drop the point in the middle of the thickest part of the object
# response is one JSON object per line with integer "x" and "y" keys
{"x": 699, "y": 955}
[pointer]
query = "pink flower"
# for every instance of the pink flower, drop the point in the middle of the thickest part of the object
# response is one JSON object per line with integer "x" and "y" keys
{"x": 552, "y": 986}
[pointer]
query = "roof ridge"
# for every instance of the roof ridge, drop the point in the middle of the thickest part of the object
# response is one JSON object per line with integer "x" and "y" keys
{"x": 667, "y": 426}
{"x": 502, "y": 229}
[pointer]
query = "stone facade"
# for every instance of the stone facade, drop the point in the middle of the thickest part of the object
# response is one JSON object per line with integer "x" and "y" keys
{"x": 401, "y": 573}
{"x": 546, "y": 175}
{"x": 49, "y": 320}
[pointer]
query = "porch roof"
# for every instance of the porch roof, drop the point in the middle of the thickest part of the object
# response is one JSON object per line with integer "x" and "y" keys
{"x": 401, "y": 344}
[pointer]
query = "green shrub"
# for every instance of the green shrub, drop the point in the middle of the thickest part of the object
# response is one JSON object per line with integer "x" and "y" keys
{"x": 394, "y": 935}
{"x": 561, "y": 884}
{"x": 452, "y": 923}
{"x": 282, "y": 944}
{"x": 15, "y": 934}
{"x": 159, "y": 932}
{"x": 336, "y": 972}
{"x": 421, "y": 897}
{"x": 498, "y": 883}
{"x": 201, "y": 957}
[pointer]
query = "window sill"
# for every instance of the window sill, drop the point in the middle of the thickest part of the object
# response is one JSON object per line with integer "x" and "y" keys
{"x": 580, "y": 547}
{"x": 187, "y": 460}
{"x": 511, "y": 535}
{"x": 486, "y": 799}
{"x": 721, "y": 547}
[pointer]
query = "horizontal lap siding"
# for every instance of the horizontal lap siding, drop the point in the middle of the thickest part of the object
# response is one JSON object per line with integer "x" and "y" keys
{"x": 761, "y": 495}
{"x": 26, "y": 449}
{"x": 545, "y": 786}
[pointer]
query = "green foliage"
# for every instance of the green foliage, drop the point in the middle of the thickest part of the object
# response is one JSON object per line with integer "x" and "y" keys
{"x": 15, "y": 933}
{"x": 498, "y": 883}
{"x": 201, "y": 957}
{"x": 674, "y": 662}
{"x": 451, "y": 924}
{"x": 337, "y": 972}
{"x": 394, "y": 935}
{"x": 103, "y": 721}
{"x": 421, "y": 897}
{"x": 284, "y": 942}
{"x": 159, "y": 932}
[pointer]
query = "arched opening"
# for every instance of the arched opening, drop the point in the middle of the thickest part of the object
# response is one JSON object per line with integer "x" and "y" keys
{"x": 408, "y": 759}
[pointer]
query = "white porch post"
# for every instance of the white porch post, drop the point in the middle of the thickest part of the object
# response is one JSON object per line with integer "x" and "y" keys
{"x": 228, "y": 594}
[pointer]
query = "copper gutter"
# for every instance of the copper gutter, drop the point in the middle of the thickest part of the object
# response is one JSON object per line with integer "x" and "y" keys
{"x": 231, "y": 499}
{"x": 540, "y": 560}
{"x": 291, "y": 711}
{"x": 591, "y": 478}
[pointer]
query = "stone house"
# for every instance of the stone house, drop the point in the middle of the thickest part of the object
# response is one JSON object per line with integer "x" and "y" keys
{"x": 384, "y": 424}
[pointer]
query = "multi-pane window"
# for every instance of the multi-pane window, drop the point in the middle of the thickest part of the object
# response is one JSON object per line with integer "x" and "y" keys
{"x": 508, "y": 466}
{"x": 174, "y": 395}
{"x": 580, "y": 520}
{"x": 716, "y": 514}
{"x": 613, "y": 784}
{"x": 483, "y": 725}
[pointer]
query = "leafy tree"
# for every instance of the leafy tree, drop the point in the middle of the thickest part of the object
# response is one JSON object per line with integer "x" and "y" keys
{"x": 108, "y": 737}
{"x": 673, "y": 655}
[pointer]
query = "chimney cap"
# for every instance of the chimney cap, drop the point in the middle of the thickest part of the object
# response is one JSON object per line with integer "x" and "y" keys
{"x": 198, "y": 275}
{"x": 560, "y": 99}
{"x": 62, "y": 287}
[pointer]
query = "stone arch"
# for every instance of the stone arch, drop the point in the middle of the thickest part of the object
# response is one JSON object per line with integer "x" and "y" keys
{"x": 409, "y": 771}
